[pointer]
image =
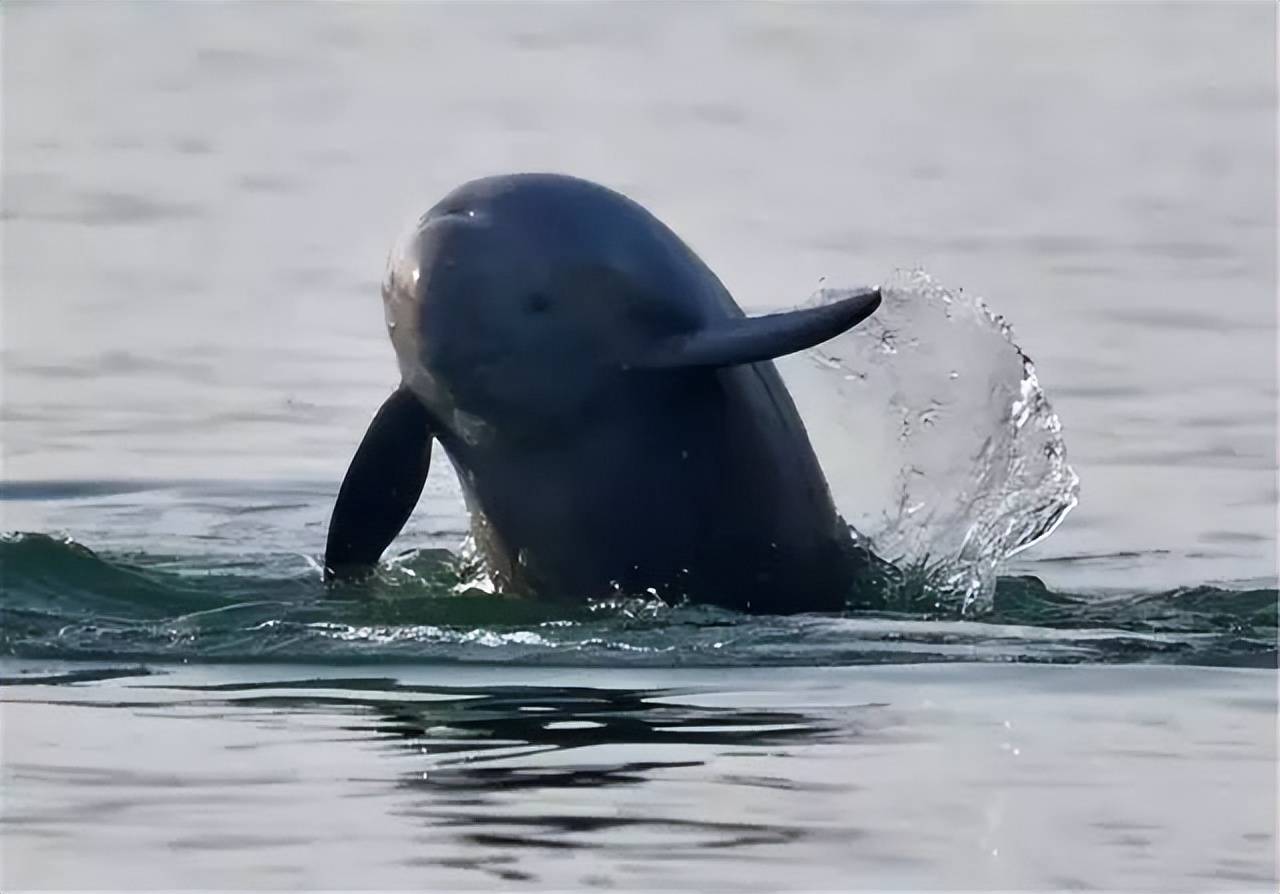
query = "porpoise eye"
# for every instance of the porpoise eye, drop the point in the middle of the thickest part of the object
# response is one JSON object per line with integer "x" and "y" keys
{"x": 537, "y": 302}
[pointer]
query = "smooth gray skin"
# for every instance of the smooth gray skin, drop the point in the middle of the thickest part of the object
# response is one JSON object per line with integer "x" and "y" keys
{"x": 612, "y": 415}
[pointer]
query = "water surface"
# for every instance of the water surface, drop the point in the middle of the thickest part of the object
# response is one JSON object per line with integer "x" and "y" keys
{"x": 197, "y": 202}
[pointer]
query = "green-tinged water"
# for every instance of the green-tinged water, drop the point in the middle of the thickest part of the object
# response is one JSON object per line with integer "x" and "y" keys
{"x": 197, "y": 203}
{"x": 63, "y": 601}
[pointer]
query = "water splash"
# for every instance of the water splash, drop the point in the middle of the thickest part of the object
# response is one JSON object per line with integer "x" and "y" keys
{"x": 940, "y": 446}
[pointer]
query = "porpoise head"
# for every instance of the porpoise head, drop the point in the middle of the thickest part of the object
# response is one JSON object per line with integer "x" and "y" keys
{"x": 521, "y": 300}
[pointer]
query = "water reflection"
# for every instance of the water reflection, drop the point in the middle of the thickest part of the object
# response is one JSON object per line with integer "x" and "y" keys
{"x": 489, "y": 772}
{"x": 445, "y": 719}
{"x": 502, "y": 777}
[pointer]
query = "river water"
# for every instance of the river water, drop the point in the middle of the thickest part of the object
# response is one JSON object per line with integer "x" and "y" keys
{"x": 197, "y": 203}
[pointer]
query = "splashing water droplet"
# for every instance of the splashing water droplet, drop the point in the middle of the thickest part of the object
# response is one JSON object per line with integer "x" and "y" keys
{"x": 947, "y": 458}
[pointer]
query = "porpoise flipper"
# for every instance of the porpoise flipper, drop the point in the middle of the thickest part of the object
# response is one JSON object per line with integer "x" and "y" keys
{"x": 754, "y": 339}
{"x": 382, "y": 486}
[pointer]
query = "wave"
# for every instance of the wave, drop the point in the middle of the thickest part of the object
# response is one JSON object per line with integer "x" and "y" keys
{"x": 64, "y": 601}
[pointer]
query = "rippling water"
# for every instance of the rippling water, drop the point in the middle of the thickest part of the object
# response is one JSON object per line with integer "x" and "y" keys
{"x": 197, "y": 201}
{"x": 478, "y": 777}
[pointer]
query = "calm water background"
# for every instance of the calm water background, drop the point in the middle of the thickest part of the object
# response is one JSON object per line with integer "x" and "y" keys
{"x": 197, "y": 203}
